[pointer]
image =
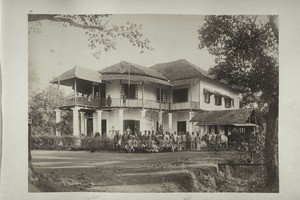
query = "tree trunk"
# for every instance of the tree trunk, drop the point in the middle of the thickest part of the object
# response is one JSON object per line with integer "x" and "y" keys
{"x": 271, "y": 149}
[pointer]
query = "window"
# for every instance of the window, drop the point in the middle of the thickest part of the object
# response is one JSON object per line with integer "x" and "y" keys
{"x": 228, "y": 103}
{"x": 163, "y": 96}
{"x": 206, "y": 97}
{"x": 131, "y": 91}
{"x": 218, "y": 100}
{"x": 180, "y": 95}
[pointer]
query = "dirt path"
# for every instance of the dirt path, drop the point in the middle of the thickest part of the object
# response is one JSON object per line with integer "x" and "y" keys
{"x": 122, "y": 172}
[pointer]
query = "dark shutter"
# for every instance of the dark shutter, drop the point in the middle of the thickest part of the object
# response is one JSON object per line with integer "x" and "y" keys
{"x": 122, "y": 90}
{"x": 136, "y": 92}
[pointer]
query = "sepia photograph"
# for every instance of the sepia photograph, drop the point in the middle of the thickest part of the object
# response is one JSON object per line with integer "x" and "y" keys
{"x": 153, "y": 103}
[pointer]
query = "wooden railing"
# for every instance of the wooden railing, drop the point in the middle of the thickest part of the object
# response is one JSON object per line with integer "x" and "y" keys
{"x": 82, "y": 101}
{"x": 129, "y": 103}
{"x": 189, "y": 105}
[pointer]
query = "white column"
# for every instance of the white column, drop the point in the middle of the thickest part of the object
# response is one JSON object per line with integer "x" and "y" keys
{"x": 99, "y": 121}
{"x": 95, "y": 128}
{"x": 76, "y": 132}
{"x": 85, "y": 125}
{"x": 121, "y": 120}
{"x": 191, "y": 114}
{"x": 170, "y": 122}
{"x": 143, "y": 123}
{"x": 57, "y": 120}
{"x": 160, "y": 118}
{"x": 82, "y": 123}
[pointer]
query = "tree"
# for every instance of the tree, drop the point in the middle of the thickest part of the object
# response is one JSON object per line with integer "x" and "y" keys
{"x": 32, "y": 80}
{"x": 246, "y": 50}
{"x": 102, "y": 35}
{"x": 41, "y": 111}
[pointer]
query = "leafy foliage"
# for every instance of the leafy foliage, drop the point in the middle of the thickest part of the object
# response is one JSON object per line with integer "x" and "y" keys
{"x": 41, "y": 112}
{"x": 97, "y": 143}
{"x": 150, "y": 118}
{"x": 246, "y": 50}
{"x": 247, "y": 53}
{"x": 253, "y": 149}
{"x": 52, "y": 142}
{"x": 102, "y": 35}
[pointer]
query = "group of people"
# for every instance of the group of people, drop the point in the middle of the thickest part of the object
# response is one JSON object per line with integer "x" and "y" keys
{"x": 152, "y": 141}
{"x": 104, "y": 101}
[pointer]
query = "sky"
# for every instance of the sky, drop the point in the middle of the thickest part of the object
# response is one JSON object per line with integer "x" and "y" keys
{"x": 54, "y": 48}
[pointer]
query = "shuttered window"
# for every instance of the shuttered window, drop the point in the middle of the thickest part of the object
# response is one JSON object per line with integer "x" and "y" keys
{"x": 206, "y": 97}
{"x": 228, "y": 103}
{"x": 163, "y": 96}
{"x": 218, "y": 100}
{"x": 131, "y": 91}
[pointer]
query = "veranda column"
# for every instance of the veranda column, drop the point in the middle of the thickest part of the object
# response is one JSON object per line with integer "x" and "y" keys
{"x": 57, "y": 120}
{"x": 76, "y": 132}
{"x": 99, "y": 121}
{"x": 121, "y": 120}
{"x": 191, "y": 114}
{"x": 82, "y": 123}
{"x": 85, "y": 125}
{"x": 143, "y": 125}
{"x": 160, "y": 118}
{"x": 95, "y": 128}
{"x": 170, "y": 122}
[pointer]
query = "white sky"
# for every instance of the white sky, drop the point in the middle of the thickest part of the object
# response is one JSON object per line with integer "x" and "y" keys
{"x": 57, "y": 48}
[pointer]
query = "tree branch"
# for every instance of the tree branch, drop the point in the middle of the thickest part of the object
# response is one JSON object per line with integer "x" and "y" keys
{"x": 57, "y": 18}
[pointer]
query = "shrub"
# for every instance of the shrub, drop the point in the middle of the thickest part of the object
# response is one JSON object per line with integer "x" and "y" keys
{"x": 52, "y": 142}
{"x": 97, "y": 143}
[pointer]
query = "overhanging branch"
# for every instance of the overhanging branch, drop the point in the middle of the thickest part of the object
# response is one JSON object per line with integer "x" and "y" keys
{"x": 57, "y": 18}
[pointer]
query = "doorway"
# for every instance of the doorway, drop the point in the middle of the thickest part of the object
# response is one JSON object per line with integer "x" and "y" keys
{"x": 134, "y": 126}
{"x": 103, "y": 127}
{"x": 181, "y": 126}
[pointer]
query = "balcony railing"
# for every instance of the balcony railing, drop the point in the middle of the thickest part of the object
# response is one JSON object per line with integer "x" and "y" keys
{"x": 129, "y": 103}
{"x": 189, "y": 105}
{"x": 81, "y": 101}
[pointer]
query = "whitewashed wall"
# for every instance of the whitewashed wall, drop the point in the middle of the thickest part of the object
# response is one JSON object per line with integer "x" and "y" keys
{"x": 212, "y": 86}
{"x": 113, "y": 89}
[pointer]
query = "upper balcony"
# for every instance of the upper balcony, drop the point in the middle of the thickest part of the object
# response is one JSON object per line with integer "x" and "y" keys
{"x": 95, "y": 103}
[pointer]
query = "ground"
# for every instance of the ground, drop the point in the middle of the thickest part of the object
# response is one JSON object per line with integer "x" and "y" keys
{"x": 123, "y": 172}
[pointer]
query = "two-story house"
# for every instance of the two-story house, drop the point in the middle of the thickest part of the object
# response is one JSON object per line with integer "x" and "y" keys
{"x": 166, "y": 95}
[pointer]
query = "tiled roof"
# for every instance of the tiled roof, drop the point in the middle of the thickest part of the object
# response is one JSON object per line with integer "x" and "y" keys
{"x": 80, "y": 73}
{"x": 133, "y": 77}
{"x": 180, "y": 69}
{"x": 223, "y": 117}
{"x": 184, "y": 81}
{"x": 127, "y": 67}
{"x": 180, "y": 72}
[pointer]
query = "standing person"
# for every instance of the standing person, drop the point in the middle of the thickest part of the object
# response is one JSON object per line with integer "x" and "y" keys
{"x": 149, "y": 135}
{"x": 128, "y": 130}
{"x": 175, "y": 137}
{"x": 135, "y": 131}
{"x": 124, "y": 140}
{"x": 197, "y": 142}
{"x": 117, "y": 140}
{"x": 153, "y": 136}
{"x": 193, "y": 141}
{"x": 124, "y": 100}
{"x": 109, "y": 101}
{"x": 183, "y": 139}
{"x": 179, "y": 142}
{"x": 188, "y": 141}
